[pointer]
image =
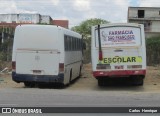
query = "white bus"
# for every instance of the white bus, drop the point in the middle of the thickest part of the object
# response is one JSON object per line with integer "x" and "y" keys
{"x": 118, "y": 50}
{"x": 45, "y": 53}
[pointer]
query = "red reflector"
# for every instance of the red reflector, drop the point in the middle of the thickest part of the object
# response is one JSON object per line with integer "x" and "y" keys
{"x": 61, "y": 67}
{"x": 100, "y": 55}
{"x": 14, "y": 65}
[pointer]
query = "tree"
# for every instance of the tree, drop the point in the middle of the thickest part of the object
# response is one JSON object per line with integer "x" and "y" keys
{"x": 85, "y": 26}
{"x": 85, "y": 29}
{"x": 6, "y": 35}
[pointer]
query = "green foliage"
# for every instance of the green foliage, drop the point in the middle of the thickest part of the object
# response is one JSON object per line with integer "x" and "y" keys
{"x": 2, "y": 56}
{"x": 85, "y": 26}
{"x": 153, "y": 42}
{"x": 153, "y": 50}
{"x": 85, "y": 29}
{"x": 6, "y": 50}
{"x": 8, "y": 30}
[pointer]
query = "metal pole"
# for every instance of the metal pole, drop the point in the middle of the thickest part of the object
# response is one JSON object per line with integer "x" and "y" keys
{"x": 99, "y": 41}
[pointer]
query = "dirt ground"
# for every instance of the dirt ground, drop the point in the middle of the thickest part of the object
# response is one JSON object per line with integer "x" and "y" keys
{"x": 87, "y": 82}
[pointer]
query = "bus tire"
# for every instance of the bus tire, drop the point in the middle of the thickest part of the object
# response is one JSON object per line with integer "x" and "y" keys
{"x": 29, "y": 84}
{"x": 70, "y": 79}
{"x": 137, "y": 81}
{"x": 140, "y": 81}
{"x": 80, "y": 71}
{"x": 101, "y": 82}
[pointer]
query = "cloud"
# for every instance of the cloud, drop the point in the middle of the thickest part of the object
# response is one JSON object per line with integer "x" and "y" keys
{"x": 134, "y": 3}
{"x": 55, "y": 2}
{"x": 81, "y": 5}
{"x": 7, "y": 7}
{"x": 113, "y": 11}
{"x": 149, "y": 3}
{"x": 11, "y": 6}
{"x": 75, "y": 11}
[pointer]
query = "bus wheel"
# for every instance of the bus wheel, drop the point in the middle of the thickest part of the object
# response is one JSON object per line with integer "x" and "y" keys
{"x": 29, "y": 84}
{"x": 80, "y": 71}
{"x": 101, "y": 82}
{"x": 70, "y": 79}
{"x": 138, "y": 80}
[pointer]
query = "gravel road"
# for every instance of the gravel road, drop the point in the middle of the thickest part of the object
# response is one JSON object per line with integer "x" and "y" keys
{"x": 88, "y": 83}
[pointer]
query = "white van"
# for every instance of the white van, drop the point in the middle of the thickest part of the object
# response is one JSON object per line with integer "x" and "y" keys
{"x": 46, "y": 53}
{"x": 118, "y": 50}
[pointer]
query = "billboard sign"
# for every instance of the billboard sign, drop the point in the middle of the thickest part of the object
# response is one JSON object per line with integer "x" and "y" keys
{"x": 119, "y": 36}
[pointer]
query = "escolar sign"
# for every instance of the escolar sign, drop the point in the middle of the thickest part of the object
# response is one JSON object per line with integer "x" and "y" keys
{"x": 122, "y": 60}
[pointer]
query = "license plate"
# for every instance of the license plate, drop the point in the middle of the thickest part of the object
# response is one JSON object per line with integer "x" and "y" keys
{"x": 37, "y": 71}
{"x": 119, "y": 67}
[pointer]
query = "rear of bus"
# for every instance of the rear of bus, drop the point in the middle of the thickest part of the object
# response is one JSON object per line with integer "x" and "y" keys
{"x": 123, "y": 52}
{"x": 37, "y": 54}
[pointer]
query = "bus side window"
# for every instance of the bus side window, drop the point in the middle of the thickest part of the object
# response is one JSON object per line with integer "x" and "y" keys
{"x": 65, "y": 43}
{"x": 69, "y": 43}
{"x": 72, "y": 47}
{"x": 78, "y": 44}
{"x": 75, "y": 44}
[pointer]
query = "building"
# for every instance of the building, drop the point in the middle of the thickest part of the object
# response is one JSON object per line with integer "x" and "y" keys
{"x": 12, "y": 20}
{"x": 8, "y": 22}
{"x": 16, "y": 19}
{"x": 62, "y": 23}
{"x": 25, "y": 18}
{"x": 149, "y": 16}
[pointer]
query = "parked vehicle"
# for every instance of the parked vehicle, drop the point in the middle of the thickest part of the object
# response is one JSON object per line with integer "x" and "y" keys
{"x": 46, "y": 53}
{"x": 118, "y": 50}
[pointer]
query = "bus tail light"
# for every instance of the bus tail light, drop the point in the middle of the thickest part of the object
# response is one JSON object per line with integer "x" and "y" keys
{"x": 134, "y": 66}
{"x": 13, "y": 65}
{"x": 61, "y": 67}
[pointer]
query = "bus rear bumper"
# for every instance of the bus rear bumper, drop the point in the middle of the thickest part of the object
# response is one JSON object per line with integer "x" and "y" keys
{"x": 38, "y": 78}
{"x": 119, "y": 73}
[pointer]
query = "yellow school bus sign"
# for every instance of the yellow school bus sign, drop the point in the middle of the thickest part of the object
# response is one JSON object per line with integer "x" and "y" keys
{"x": 117, "y": 59}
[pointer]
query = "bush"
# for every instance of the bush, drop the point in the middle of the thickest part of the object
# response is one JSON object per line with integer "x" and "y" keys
{"x": 153, "y": 50}
{"x": 2, "y": 56}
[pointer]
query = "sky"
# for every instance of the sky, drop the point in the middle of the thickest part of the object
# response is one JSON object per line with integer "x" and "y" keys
{"x": 76, "y": 11}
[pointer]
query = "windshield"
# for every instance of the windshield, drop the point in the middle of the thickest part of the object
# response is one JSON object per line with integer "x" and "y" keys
{"x": 119, "y": 36}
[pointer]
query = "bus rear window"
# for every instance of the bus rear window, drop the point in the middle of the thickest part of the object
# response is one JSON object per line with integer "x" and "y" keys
{"x": 119, "y": 36}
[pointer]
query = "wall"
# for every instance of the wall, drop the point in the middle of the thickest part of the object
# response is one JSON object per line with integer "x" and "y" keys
{"x": 152, "y": 12}
{"x": 62, "y": 23}
{"x": 132, "y": 12}
{"x": 24, "y": 18}
{"x": 149, "y": 12}
{"x": 28, "y": 18}
{"x": 8, "y": 18}
{"x": 45, "y": 19}
{"x": 151, "y": 19}
{"x": 155, "y": 26}
{"x": 12, "y": 19}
